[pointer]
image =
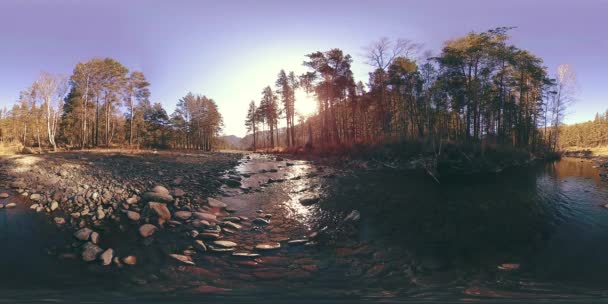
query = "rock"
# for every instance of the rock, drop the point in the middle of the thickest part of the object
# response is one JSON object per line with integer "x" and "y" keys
{"x": 4, "y": 195}
{"x": 309, "y": 201}
{"x": 59, "y": 221}
{"x": 226, "y": 244}
{"x": 205, "y": 216}
{"x": 147, "y": 230}
{"x": 100, "y": 214}
{"x": 134, "y": 216}
{"x": 182, "y": 258}
{"x": 209, "y": 235}
{"x": 157, "y": 197}
{"x": 106, "y": 257}
{"x": 200, "y": 246}
{"x": 35, "y": 197}
{"x": 83, "y": 234}
{"x": 10, "y": 205}
{"x": 221, "y": 249}
{"x": 54, "y": 205}
{"x": 260, "y": 221}
{"x": 95, "y": 237}
{"x": 63, "y": 173}
{"x": 509, "y": 266}
{"x": 177, "y": 192}
{"x": 160, "y": 189}
{"x": 200, "y": 223}
{"x": 297, "y": 242}
{"x": 161, "y": 210}
{"x": 90, "y": 252}
{"x": 245, "y": 255}
{"x": 133, "y": 200}
{"x": 130, "y": 260}
{"x": 216, "y": 203}
{"x": 268, "y": 246}
{"x": 183, "y": 215}
{"x": 232, "y": 225}
{"x": 18, "y": 185}
{"x": 353, "y": 216}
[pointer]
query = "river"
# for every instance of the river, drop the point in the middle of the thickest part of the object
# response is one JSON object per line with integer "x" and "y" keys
{"x": 416, "y": 240}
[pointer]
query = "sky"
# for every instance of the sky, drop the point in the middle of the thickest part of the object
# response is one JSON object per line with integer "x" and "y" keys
{"x": 230, "y": 50}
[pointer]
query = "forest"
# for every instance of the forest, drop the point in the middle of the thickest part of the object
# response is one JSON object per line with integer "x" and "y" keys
{"x": 587, "y": 134}
{"x": 103, "y": 104}
{"x": 479, "y": 90}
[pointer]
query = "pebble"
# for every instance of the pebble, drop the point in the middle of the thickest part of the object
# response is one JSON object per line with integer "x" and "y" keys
{"x": 268, "y": 246}
{"x": 134, "y": 216}
{"x": 130, "y": 260}
{"x": 10, "y": 205}
{"x": 4, "y": 195}
{"x": 90, "y": 252}
{"x": 226, "y": 244}
{"x": 106, "y": 257}
{"x": 59, "y": 221}
{"x": 216, "y": 203}
{"x": 147, "y": 230}
{"x": 260, "y": 221}
{"x": 161, "y": 210}
{"x": 182, "y": 258}
{"x": 200, "y": 246}
{"x": 183, "y": 215}
{"x": 83, "y": 234}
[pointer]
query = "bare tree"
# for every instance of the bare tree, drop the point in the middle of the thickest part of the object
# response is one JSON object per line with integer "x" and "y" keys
{"x": 564, "y": 96}
{"x": 382, "y": 53}
{"x": 51, "y": 90}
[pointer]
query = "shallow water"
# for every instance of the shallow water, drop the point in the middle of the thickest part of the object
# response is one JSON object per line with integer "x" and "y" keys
{"x": 416, "y": 241}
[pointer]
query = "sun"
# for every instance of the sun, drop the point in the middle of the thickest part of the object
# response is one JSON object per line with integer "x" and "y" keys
{"x": 306, "y": 104}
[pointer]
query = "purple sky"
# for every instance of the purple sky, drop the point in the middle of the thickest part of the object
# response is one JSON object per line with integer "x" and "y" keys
{"x": 230, "y": 50}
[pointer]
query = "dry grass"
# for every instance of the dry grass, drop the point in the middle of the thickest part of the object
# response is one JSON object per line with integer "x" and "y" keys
{"x": 10, "y": 149}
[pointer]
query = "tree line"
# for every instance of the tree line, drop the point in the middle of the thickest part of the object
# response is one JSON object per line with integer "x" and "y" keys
{"x": 479, "y": 89}
{"x": 103, "y": 104}
{"x": 587, "y": 134}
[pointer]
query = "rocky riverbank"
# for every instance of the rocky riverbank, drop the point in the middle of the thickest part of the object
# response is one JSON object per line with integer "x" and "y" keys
{"x": 99, "y": 194}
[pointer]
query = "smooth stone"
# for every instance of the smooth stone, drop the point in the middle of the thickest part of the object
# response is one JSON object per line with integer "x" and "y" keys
{"x": 35, "y": 197}
{"x": 133, "y": 200}
{"x": 205, "y": 216}
{"x": 221, "y": 249}
{"x": 160, "y": 189}
{"x": 245, "y": 255}
{"x": 260, "y": 221}
{"x": 4, "y": 195}
{"x": 161, "y": 210}
{"x": 106, "y": 257}
{"x": 183, "y": 215}
{"x": 83, "y": 234}
{"x": 10, "y": 205}
{"x": 177, "y": 192}
{"x": 147, "y": 230}
{"x": 309, "y": 201}
{"x": 90, "y": 252}
{"x": 226, "y": 244}
{"x": 95, "y": 237}
{"x": 130, "y": 260}
{"x": 157, "y": 197}
{"x": 209, "y": 235}
{"x": 297, "y": 242}
{"x": 200, "y": 245}
{"x": 59, "y": 221}
{"x": 509, "y": 266}
{"x": 268, "y": 246}
{"x": 200, "y": 223}
{"x": 54, "y": 205}
{"x": 18, "y": 184}
{"x": 216, "y": 203}
{"x": 182, "y": 258}
{"x": 134, "y": 216}
{"x": 232, "y": 225}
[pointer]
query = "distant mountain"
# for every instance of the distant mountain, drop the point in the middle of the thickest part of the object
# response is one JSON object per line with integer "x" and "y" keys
{"x": 231, "y": 142}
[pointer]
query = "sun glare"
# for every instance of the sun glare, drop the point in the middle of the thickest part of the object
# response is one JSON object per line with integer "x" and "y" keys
{"x": 306, "y": 104}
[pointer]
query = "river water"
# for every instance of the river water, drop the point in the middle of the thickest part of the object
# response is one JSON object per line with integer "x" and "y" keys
{"x": 416, "y": 240}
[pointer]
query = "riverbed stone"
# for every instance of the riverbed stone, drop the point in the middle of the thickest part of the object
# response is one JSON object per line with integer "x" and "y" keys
{"x": 182, "y": 258}
{"x": 183, "y": 215}
{"x": 268, "y": 246}
{"x": 147, "y": 230}
{"x": 226, "y": 244}
{"x": 161, "y": 210}
{"x": 134, "y": 216}
{"x": 4, "y": 195}
{"x": 95, "y": 237}
{"x": 90, "y": 252}
{"x": 10, "y": 205}
{"x": 200, "y": 245}
{"x": 204, "y": 216}
{"x": 83, "y": 234}
{"x": 59, "y": 221}
{"x": 130, "y": 260}
{"x": 214, "y": 203}
{"x": 54, "y": 205}
{"x": 106, "y": 257}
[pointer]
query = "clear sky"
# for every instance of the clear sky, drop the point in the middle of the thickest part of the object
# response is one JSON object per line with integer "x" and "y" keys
{"x": 230, "y": 50}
